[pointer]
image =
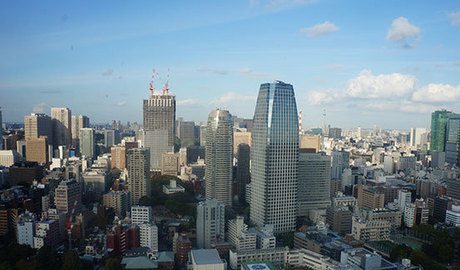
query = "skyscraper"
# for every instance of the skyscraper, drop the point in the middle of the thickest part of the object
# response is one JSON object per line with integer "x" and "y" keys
{"x": 438, "y": 129}
{"x": 37, "y": 125}
{"x": 87, "y": 142}
{"x": 243, "y": 174}
{"x": 453, "y": 140}
{"x": 340, "y": 161}
{"x": 138, "y": 162}
{"x": 78, "y": 122}
{"x": 274, "y": 157}
{"x": 62, "y": 126}
{"x": 314, "y": 182}
{"x": 1, "y": 130}
{"x": 219, "y": 156}
{"x": 159, "y": 124}
{"x": 210, "y": 223}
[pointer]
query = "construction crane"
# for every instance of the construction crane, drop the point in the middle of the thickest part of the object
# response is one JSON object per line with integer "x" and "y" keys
{"x": 68, "y": 223}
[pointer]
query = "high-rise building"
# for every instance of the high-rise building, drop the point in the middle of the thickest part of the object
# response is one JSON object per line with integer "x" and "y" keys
{"x": 62, "y": 126}
{"x": 339, "y": 219}
{"x": 243, "y": 174}
{"x": 87, "y": 142}
{"x": 210, "y": 223}
{"x": 159, "y": 124}
{"x": 118, "y": 157}
{"x": 417, "y": 137}
{"x": 438, "y": 129}
{"x": 186, "y": 132}
{"x": 453, "y": 140}
{"x": 219, "y": 156}
{"x": 239, "y": 236}
{"x": 335, "y": 133}
{"x": 9, "y": 157}
{"x": 138, "y": 162}
{"x": 274, "y": 157}
{"x": 26, "y": 229}
{"x": 240, "y": 136}
{"x": 110, "y": 137}
{"x": 340, "y": 161}
{"x": 148, "y": 231}
{"x": 310, "y": 142}
{"x": 170, "y": 164}
{"x": 68, "y": 196}
{"x": 120, "y": 201}
{"x": 1, "y": 130}
{"x": 78, "y": 121}
{"x": 314, "y": 182}
{"x": 37, "y": 149}
{"x": 38, "y": 125}
{"x": 141, "y": 214}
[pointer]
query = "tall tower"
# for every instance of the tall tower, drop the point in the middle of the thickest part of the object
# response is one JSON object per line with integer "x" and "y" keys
{"x": 243, "y": 174}
{"x": 159, "y": 124}
{"x": 87, "y": 142}
{"x": 78, "y": 122}
{"x": 453, "y": 140}
{"x": 210, "y": 223}
{"x": 274, "y": 157}
{"x": 138, "y": 173}
{"x": 438, "y": 129}
{"x": 62, "y": 126}
{"x": 219, "y": 156}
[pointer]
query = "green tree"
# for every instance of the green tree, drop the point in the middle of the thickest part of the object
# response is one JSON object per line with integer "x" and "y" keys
{"x": 112, "y": 264}
{"x": 71, "y": 261}
{"x": 47, "y": 258}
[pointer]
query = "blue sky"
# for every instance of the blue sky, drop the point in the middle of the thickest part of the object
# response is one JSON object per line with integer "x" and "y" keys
{"x": 386, "y": 63}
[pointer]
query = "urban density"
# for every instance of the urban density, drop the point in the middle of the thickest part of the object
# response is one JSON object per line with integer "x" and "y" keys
{"x": 276, "y": 188}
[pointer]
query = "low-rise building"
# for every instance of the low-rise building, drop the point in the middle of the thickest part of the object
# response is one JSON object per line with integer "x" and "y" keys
{"x": 366, "y": 230}
{"x": 173, "y": 187}
{"x": 206, "y": 259}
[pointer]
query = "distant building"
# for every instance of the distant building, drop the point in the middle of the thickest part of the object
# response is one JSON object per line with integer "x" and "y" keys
{"x": 111, "y": 137}
{"x": 210, "y": 223}
{"x": 453, "y": 216}
{"x": 38, "y": 125}
{"x": 370, "y": 197}
{"x": 366, "y": 230}
{"x": 170, "y": 164}
{"x": 453, "y": 140}
{"x": 9, "y": 157}
{"x": 360, "y": 258}
{"x": 122, "y": 238}
{"x": 186, "y": 132}
{"x": 173, "y": 187}
{"x": 120, "y": 201}
{"x": 241, "y": 137}
{"x": 339, "y": 219}
{"x": 87, "y": 142}
{"x": 206, "y": 259}
{"x": 416, "y": 213}
{"x": 335, "y": 133}
{"x": 37, "y": 150}
{"x": 62, "y": 126}
{"x": 96, "y": 181}
{"x": 310, "y": 142}
{"x": 182, "y": 247}
{"x": 78, "y": 122}
{"x": 239, "y": 236}
{"x": 340, "y": 161}
{"x": 46, "y": 233}
{"x": 25, "y": 229}
{"x": 243, "y": 175}
{"x": 438, "y": 129}
{"x": 118, "y": 153}
{"x": 68, "y": 196}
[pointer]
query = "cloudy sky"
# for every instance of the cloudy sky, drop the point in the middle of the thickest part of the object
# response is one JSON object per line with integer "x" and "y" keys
{"x": 387, "y": 63}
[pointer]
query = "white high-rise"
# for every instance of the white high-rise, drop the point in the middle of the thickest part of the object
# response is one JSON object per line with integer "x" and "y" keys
{"x": 148, "y": 231}
{"x": 210, "y": 223}
{"x": 274, "y": 157}
{"x": 219, "y": 156}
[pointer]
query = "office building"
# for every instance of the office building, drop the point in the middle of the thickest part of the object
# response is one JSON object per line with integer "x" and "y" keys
{"x": 141, "y": 214}
{"x": 96, "y": 181}
{"x": 62, "y": 126}
{"x": 159, "y": 124}
{"x": 25, "y": 229}
{"x": 37, "y": 149}
{"x": 370, "y": 197}
{"x": 170, "y": 164}
{"x": 361, "y": 258}
{"x": 453, "y": 216}
{"x": 148, "y": 231}
{"x": 438, "y": 159}
{"x": 120, "y": 201}
{"x": 239, "y": 236}
{"x": 404, "y": 199}
{"x": 38, "y": 125}
{"x": 416, "y": 213}
{"x": 314, "y": 182}
{"x": 210, "y": 223}
{"x": 339, "y": 219}
{"x": 366, "y": 230}
{"x": 219, "y": 157}
{"x": 453, "y": 140}
{"x": 276, "y": 256}
{"x": 138, "y": 160}
{"x": 186, "y": 132}
{"x": 68, "y": 196}
{"x": 87, "y": 143}
{"x": 340, "y": 161}
{"x": 274, "y": 158}
{"x": 417, "y": 137}
{"x": 78, "y": 122}
{"x": 241, "y": 136}
{"x": 438, "y": 129}
{"x": 243, "y": 174}
{"x": 181, "y": 247}
{"x": 110, "y": 137}
{"x": 206, "y": 259}
{"x": 335, "y": 133}
{"x": 46, "y": 233}
{"x": 312, "y": 142}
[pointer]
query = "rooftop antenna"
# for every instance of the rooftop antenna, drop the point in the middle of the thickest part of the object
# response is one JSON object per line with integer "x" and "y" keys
{"x": 152, "y": 88}
{"x": 324, "y": 121}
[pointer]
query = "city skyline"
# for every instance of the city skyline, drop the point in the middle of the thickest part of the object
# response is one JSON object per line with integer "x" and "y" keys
{"x": 401, "y": 63}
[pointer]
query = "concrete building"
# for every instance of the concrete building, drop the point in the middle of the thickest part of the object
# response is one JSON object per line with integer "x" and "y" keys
{"x": 241, "y": 136}
{"x": 46, "y": 233}
{"x": 186, "y": 132}
{"x": 9, "y": 157}
{"x": 138, "y": 161}
{"x": 274, "y": 157}
{"x": 96, "y": 181}
{"x": 118, "y": 154}
{"x": 38, "y": 125}
{"x": 404, "y": 199}
{"x": 87, "y": 142}
{"x": 393, "y": 216}
{"x": 416, "y": 213}
{"x": 219, "y": 157}
{"x": 453, "y": 140}
{"x": 206, "y": 259}
{"x": 62, "y": 119}
{"x": 438, "y": 130}
{"x": 453, "y": 216}
{"x": 335, "y": 133}
{"x": 239, "y": 236}
{"x": 438, "y": 159}
{"x": 120, "y": 201}
{"x": 277, "y": 256}
{"x": 366, "y": 230}
{"x": 370, "y": 197}
{"x": 314, "y": 182}
{"x": 159, "y": 124}
{"x": 78, "y": 122}
{"x": 141, "y": 214}
{"x": 68, "y": 196}
{"x": 361, "y": 258}
{"x": 407, "y": 163}
{"x": 210, "y": 223}
{"x": 340, "y": 161}
{"x": 148, "y": 231}
{"x": 25, "y": 229}
{"x": 38, "y": 150}
{"x": 110, "y": 137}
{"x": 170, "y": 164}
{"x": 310, "y": 142}
{"x": 173, "y": 187}
{"x": 339, "y": 219}
{"x": 416, "y": 137}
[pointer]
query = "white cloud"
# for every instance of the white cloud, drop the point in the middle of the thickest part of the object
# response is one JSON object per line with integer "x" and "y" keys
{"x": 437, "y": 93}
{"x": 320, "y": 29}
{"x": 248, "y": 72}
{"x": 368, "y": 85}
{"x": 121, "y": 103}
{"x": 213, "y": 71}
{"x": 188, "y": 102}
{"x": 323, "y": 97}
{"x": 454, "y": 18}
{"x": 41, "y": 108}
{"x": 108, "y": 72}
{"x": 230, "y": 97}
{"x": 402, "y": 30}
{"x": 404, "y": 106}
